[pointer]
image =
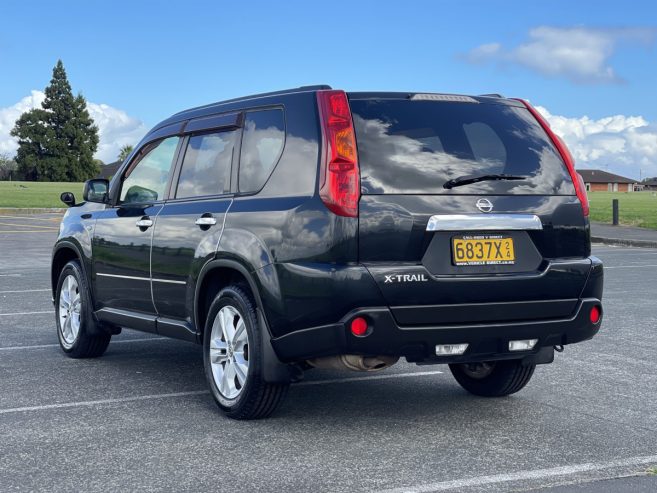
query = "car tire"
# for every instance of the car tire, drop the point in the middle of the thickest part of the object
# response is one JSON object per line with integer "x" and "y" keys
{"x": 78, "y": 333}
{"x": 493, "y": 379}
{"x": 233, "y": 357}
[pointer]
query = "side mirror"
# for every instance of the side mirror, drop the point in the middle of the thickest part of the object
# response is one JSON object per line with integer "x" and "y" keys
{"x": 68, "y": 198}
{"x": 96, "y": 190}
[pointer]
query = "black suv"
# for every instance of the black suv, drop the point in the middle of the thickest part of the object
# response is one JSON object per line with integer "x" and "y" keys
{"x": 317, "y": 228}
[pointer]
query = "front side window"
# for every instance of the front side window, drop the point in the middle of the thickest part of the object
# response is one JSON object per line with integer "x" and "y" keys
{"x": 262, "y": 143}
{"x": 146, "y": 181}
{"x": 207, "y": 164}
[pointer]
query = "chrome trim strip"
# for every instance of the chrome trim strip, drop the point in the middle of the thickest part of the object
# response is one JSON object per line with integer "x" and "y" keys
{"x": 169, "y": 281}
{"x": 135, "y": 278}
{"x": 484, "y": 222}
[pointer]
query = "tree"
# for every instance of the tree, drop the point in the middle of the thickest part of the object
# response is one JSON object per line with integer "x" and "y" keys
{"x": 7, "y": 167}
{"x": 125, "y": 152}
{"x": 57, "y": 141}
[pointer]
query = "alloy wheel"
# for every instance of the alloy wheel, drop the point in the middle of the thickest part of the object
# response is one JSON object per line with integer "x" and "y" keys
{"x": 229, "y": 352}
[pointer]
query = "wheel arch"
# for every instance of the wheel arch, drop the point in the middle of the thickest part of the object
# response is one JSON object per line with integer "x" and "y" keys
{"x": 215, "y": 275}
{"x": 219, "y": 273}
{"x": 63, "y": 253}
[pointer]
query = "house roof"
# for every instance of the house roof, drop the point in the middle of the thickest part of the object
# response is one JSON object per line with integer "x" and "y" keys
{"x": 599, "y": 176}
{"x": 109, "y": 170}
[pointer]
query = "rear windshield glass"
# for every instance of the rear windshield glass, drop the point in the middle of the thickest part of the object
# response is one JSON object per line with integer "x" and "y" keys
{"x": 409, "y": 146}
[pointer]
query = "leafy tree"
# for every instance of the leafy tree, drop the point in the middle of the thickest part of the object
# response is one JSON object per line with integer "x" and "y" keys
{"x": 7, "y": 167}
{"x": 125, "y": 152}
{"x": 57, "y": 141}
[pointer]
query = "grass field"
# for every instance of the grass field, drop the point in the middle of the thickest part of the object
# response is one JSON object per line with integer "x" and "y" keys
{"x": 635, "y": 209}
{"x": 36, "y": 194}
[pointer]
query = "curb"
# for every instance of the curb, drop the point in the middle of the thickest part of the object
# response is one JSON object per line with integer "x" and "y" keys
{"x": 32, "y": 210}
{"x": 624, "y": 242}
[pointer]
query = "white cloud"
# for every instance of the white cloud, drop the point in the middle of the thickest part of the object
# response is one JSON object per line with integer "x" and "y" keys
{"x": 577, "y": 53}
{"x": 115, "y": 127}
{"x": 622, "y": 144}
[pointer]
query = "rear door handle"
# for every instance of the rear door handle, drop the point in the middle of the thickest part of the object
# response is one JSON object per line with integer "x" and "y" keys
{"x": 144, "y": 223}
{"x": 206, "y": 221}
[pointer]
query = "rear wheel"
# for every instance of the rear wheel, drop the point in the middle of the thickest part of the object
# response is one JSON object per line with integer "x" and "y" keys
{"x": 494, "y": 378}
{"x": 78, "y": 335}
{"x": 233, "y": 357}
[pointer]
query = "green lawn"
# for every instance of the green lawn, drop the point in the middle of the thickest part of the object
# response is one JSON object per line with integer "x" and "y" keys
{"x": 635, "y": 208}
{"x": 36, "y": 194}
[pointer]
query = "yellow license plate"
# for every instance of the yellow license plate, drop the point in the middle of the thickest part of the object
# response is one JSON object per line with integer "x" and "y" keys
{"x": 483, "y": 250}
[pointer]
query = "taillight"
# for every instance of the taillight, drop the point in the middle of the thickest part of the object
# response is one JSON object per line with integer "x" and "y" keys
{"x": 580, "y": 188}
{"x": 339, "y": 173}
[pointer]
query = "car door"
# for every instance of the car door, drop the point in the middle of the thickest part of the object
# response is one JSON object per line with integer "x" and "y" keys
{"x": 189, "y": 226}
{"x": 123, "y": 235}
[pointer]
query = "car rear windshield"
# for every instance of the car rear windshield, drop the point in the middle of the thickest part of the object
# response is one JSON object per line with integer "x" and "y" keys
{"x": 415, "y": 147}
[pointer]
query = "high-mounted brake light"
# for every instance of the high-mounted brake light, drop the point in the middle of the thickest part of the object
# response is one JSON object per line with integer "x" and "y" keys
{"x": 578, "y": 181}
{"x": 339, "y": 174}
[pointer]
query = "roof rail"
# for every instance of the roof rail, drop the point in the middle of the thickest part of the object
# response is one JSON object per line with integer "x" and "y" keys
{"x": 317, "y": 87}
{"x": 492, "y": 95}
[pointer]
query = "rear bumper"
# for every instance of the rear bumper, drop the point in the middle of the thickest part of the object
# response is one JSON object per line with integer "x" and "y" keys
{"x": 487, "y": 340}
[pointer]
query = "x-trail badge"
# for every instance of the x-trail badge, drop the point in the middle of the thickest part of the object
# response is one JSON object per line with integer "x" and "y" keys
{"x": 484, "y": 205}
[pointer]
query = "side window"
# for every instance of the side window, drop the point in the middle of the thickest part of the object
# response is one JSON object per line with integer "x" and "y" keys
{"x": 262, "y": 143}
{"x": 207, "y": 164}
{"x": 146, "y": 181}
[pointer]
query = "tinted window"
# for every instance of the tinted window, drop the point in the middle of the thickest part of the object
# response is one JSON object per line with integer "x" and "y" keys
{"x": 207, "y": 164}
{"x": 416, "y": 146}
{"x": 262, "y": 143}
{"x": 147, "y": 180}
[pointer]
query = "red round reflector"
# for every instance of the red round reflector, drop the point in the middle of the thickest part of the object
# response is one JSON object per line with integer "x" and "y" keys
{"x": 358, "y": 326}
{"x": 595, "y": 314}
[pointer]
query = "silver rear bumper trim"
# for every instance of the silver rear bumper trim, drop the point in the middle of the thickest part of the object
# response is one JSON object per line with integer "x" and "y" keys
{"x": 484, "y": 222}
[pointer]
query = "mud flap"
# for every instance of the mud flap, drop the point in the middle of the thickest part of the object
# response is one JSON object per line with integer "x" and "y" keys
{"x": 273, "y": 371}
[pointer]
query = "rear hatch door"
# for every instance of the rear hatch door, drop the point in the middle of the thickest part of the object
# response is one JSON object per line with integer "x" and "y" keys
{"x": 430, "y": 235}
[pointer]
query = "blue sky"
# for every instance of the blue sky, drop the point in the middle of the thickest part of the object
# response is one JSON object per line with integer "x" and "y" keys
{"x": 150, "y": 59}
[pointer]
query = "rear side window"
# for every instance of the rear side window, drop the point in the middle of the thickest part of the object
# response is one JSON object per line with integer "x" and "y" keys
{"x": 415, "y": 147}
{"x": 262, "y": 143}
{"x": 207, "y": 164}
{"x": 146, "y": 179}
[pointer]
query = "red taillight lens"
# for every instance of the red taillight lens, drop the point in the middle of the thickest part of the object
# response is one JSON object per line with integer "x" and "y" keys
{"x": 580, "y": 188}
{"x": 339, "y": 175}
{"x": 594, "y": 315}
{"x": 359, "y": 326}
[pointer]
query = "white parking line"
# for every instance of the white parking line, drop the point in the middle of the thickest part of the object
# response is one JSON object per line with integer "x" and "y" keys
{"x": 10, "y": 275}
{"x": 44, "y": 346}
{"x": 25, "y": 313}
{"x": 629, "y": 266}
{"x": 524, "y": 475}
{"x": 102, "y": 401}
{"x": 197, "y": 392}
{"x": 26, "y": 291}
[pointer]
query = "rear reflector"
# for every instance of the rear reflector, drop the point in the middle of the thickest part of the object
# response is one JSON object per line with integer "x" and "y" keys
{"x": 522, "y": 345}
{"x": 339, "y": 174}
{"x": 595, "y": 314}
{"x": 578, "y": 182}
{"x": 450, "y": 349}
{"x": 359, "y": 326}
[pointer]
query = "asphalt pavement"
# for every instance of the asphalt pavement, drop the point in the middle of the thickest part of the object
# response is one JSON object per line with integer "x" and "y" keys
{"x": 139, "y": 418}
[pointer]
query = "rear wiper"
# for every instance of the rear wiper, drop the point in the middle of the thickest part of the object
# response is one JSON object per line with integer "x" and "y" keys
{"x": 468, "y": 179}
